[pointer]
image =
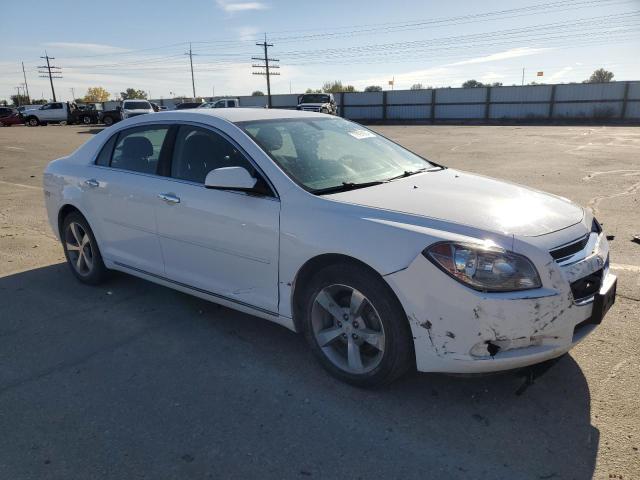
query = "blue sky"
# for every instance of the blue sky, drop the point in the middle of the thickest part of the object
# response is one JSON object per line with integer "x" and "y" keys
{"x": 141, "y": 44}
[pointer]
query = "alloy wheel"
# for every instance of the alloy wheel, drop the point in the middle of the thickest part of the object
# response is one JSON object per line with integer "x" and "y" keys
{"x": 79, "y": 248}
{"x": 348, "y": 329}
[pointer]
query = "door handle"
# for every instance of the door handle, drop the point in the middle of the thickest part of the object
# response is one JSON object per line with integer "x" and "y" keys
{"x": 169, "y": 197}
{"x": 92, "y": 182}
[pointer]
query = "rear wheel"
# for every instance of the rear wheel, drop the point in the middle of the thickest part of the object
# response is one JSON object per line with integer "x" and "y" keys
{"x": 356, "y": 327}
{"x": 81, "y": 250}
{"x": 108, "y": 121}
{"x": 86, "y": 120}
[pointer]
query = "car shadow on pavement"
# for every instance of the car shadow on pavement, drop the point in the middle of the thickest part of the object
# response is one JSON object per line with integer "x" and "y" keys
{"x": 131, "y": 379}
{"x": 91, "y": 131}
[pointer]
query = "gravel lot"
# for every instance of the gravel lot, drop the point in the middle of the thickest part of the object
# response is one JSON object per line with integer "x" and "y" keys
{"x": 132, "y": 380}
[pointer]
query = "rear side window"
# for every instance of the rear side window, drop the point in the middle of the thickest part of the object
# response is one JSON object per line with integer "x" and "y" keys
{"x": 138, "y": 149}
{"x": 104, "y": 157}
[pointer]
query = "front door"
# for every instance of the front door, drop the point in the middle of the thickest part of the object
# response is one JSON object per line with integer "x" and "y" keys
{"x": 221, "y": 242}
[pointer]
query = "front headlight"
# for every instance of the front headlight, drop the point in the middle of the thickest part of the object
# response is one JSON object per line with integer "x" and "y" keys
{"x": 489, "y": 269}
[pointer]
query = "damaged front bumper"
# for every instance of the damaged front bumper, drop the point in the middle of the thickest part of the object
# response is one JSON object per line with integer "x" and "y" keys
{"x": 460, "y": 330}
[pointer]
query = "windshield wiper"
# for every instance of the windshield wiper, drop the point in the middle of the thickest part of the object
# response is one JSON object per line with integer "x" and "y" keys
{"x": 346, "y": 186}
{"x": 408, "y": 173}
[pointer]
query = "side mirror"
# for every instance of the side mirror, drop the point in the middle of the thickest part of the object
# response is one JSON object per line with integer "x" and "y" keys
{"x": 230, "y": 178}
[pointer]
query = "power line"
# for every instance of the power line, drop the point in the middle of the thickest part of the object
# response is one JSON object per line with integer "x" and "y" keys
{"x": 53, "y": 72}
{"x": 267, "y": 68}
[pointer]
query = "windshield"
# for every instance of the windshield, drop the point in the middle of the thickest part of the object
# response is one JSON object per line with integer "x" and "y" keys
{"x": 137, "y": 105}
{"x": 329, "y": 153}
{"x": 315, "y": 98}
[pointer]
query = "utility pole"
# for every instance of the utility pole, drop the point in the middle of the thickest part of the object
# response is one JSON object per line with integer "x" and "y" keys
{"x": 25, "y": 83}
{"x": 523, "y": 76}
{"x": 267, "y": 68}
{"x": 52, "y": 72}
{"x": 73, "y": 94}
{"x": 193, "y": 83}
{"x": 18, "y": 97}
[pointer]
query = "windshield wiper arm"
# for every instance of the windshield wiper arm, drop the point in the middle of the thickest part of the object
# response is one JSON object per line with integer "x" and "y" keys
{"x": 408, "y": 173}
{"x": 346, "y": 186}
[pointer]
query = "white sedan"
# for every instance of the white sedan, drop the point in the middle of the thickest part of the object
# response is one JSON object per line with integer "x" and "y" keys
{"x": 385, "y": 261}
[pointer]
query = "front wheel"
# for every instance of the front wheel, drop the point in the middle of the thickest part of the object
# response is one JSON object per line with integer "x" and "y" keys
{"x": 81, "y": 250}
{"x": 86, "y": 120}
{"x": 108, "y": 121}
{"x": 356, "y": 327}
{"x": 33, "y": 122}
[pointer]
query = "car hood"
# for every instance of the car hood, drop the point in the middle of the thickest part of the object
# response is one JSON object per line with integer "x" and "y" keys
{"x": 472, "y": 200}
{"x": 313, "y": 104}
{"x": 138, "y": 110}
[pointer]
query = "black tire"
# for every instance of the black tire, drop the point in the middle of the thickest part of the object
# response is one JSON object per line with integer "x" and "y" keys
{"x": 398, "y": 356}
{"x": 98, "y": 272}
{"x": 33, "y": 121}
{"x": 108, "y": 121}
{"x": 86, "y": 120}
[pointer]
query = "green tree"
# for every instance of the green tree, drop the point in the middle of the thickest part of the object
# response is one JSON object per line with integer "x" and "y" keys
{"x": 20, "y": 100}
{"x": 313, "y": 90}
{"x": 336, "y": 86}
{"x": 132, "y": 93}
{"x": 600, "y": 76}
{"x": 472, "y": 84}
{"x": 373, "y": 88}
{"x": 42, "y": 101}
{"x": 4, "y": 102}
{"x": 417, "y": 86}
{"x": 99, "y": 95}
{"x": 257, "y": 93}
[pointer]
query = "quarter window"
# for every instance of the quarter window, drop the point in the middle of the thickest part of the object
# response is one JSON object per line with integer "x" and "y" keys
{"x": 104, "y": 157}
{"x": 198, "y": 151}
{"x": 138, "y": 149}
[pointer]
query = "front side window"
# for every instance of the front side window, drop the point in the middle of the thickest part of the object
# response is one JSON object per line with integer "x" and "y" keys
{"x": 328, "y": 153}
{"x": 56, "y": 106}
{"x": 197, "y": 151}
{"x": 138, "y": 149}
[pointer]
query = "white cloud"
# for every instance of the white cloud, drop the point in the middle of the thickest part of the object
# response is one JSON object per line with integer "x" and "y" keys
{"x": 248, "y": 33}
{"x": 490, "y": 77}
{"x": 85, "y": 47}
{"x": 513, "y": 53}
{"x": 560, "y": 74}
{"x": 232, "y": 7}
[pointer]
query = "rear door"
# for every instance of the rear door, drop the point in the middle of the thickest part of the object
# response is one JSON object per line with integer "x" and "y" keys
{"x": 222, "y": 242}
{"x": 122, "y": 192}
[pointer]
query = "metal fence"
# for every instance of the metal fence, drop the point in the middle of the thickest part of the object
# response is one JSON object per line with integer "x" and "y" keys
{"x": 585, "y": 101}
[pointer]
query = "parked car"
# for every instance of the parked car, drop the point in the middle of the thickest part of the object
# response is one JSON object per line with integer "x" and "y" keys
{"x": 85, "y": 114}
{"x": 9, "y": 116}
{"x": 156, "y": 107}
{"x": 109, "y": 117}
{"x": 22, "y": 108}
{"x": 133, "y": 108}
{"x": 318, "y": 102}
{"x": 53, "y": 112}
{"x": 222, "y": 103}
{"x": 188, "y": 105}
{"x": 382, "y": 259}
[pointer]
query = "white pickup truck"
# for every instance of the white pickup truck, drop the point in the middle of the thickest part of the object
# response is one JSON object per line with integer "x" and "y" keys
{"x": 222, "y": 103}
{"x": 318, "y": 102}
{"x": 54, "y": 112}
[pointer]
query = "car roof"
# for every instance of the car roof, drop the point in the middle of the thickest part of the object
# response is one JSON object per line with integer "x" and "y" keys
{"x": 235, "y": 115}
